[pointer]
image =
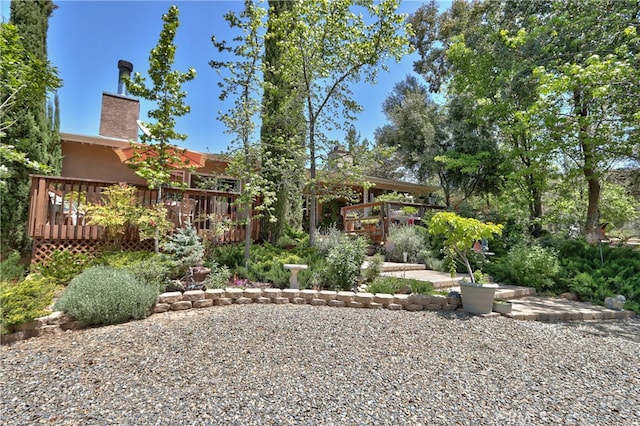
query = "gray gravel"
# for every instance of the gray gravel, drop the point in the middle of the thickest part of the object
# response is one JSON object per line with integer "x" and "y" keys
{"x": 292, "y": 364}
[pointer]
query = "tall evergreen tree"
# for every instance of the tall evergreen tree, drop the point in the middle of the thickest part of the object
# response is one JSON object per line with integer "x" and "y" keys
{"x": 32, "y": 132}
{"x": 282, "y": 132}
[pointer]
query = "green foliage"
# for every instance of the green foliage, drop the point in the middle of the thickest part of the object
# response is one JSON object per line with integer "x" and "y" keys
{"x": 104, "y": 295}
{"x": 593, "y": 278}
{"x": 149, "y": 268}
{"x": 120, "y": 211}
{"x": 185, "y": 247}
{"x": 122, "y": 259}
{"x": 343, "y": 264}
{"x": 528, "y": 264}
{"x": 29, "y": 139}
{"x": 230, "y": 255}
{"x": 361, "y": 39}
{"x": 25, "y": 300}
{"x": 166, "y": 93}
{"x": 219, "y": 276}
{"x": 374, "y": 267}
{"x": 242, "y": 83}
{"x": 460, "y": 234}
{"x": 393, "y": 196}
{"x": 332, "y": 237}
{"x": 392, "y": 285}
{"x": 406, "y": 239}
{"x": 286, "y": 241}
{"x": 65, "y": 265}
{"x": 266, "y": 262}
{"x": 11, "y": 269}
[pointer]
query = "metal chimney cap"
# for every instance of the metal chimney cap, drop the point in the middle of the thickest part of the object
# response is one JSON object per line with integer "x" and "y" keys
{"x": 125, "y": 65}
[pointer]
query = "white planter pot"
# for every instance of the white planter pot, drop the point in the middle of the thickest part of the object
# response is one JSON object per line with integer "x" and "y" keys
{"x": 477, "y": 299}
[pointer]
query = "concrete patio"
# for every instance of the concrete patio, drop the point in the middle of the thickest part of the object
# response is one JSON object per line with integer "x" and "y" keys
{"x": 525, "y": 304}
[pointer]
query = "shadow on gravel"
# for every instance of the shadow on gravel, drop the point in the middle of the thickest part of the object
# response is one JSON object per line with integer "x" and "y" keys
{"x": 626, "y": 329}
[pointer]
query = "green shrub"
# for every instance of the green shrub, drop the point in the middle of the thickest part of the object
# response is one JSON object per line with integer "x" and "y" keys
{"x": 11, "y": 269}
{"x": 405, "y": 239}
{"x": 230, "y": 255}
{"x": 528, "y": 265}
{"x": 331, "y": 238}
{"x": 25, "y": 300}
{"x": 119, "y": 258}
{"x": 374, "y": 267}
{"x": 186, "y": 248}
{"x": 597, "y": 272}
{"x": 65, "y": 265}
{"x": 106, "y": 295}
{"x": 219, "y": 276}
{"x": 391, "y": 285}
{"x": 432, "y": 262}
{"x": 343, "y": 264}
{"x": 147, "y": 267}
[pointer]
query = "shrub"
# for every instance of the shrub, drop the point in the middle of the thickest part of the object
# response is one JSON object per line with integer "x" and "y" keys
{"x": 106, "y": 295}
{"x": 11, "y": 269}
{"x": 231, "y": 255}
{"x": 392, "y": 285}
{"x": 26, "y": 300}
{"x": 528, "y": 265}
{"x": 374, "y": 267}
{"x": 119, "y": 258}
{"x": 147, "y": 267}
{"x": 432, "y": 262}
{"x": 595, "y": 272}
{"x": 186, "y": 248}
{"x": 405, "y": 239}
{"x": 331, "y": 238}
{"x": 344, "y": 263}
{"x": 219, "y": 276}
{"x": 120, "y": 213}
{"x": 65, "y": 265}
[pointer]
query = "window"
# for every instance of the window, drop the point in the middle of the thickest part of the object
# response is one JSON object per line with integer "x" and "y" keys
{"x": 215, "y": 183}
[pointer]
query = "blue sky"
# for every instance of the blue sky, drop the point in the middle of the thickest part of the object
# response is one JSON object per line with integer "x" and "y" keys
{"x": 87, "y": 38}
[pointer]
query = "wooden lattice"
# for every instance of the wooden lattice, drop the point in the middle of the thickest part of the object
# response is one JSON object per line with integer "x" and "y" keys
{"x": 43, "y": 249}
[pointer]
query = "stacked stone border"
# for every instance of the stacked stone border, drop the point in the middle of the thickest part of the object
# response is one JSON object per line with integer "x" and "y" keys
{"x": 58, "y": 322}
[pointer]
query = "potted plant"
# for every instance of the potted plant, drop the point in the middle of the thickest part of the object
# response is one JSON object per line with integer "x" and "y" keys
{"x": 370, "y": 224}
{"x": 409, "y": 210}
{"x": 349, "y": 221}
{"x": 502, "y": 306}
{"x": 459, "y": 235}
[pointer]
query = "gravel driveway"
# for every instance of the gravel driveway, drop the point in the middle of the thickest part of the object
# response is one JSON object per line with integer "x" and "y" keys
{"x": 299, "y": 364}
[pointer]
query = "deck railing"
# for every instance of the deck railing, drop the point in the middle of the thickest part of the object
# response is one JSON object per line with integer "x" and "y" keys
{"x": 57, "y": 209}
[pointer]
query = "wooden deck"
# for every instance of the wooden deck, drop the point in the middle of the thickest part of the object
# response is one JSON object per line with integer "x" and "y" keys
{"x": 56, "y": 210}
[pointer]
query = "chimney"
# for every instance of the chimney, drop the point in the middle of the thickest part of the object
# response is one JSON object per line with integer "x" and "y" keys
{"x": 119, "y": 114}
{"x": 125, "y": 68}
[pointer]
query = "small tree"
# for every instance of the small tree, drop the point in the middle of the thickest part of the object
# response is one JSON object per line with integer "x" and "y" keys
{"x": 328, "y": 46}
{"x": 459, "y": 234}
{"x": 242, "y": 79}
{"x": 121, "y": 210}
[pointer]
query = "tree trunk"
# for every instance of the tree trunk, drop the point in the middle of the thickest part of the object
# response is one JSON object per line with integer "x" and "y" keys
{"x": 592, "y": 225}
{"x": 313, "y": 199}
{"x": 247, "y": 236}
{"x": 535, "y": 208}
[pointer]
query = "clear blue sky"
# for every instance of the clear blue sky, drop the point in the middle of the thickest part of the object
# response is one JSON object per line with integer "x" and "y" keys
{"x": 87, "y": 38}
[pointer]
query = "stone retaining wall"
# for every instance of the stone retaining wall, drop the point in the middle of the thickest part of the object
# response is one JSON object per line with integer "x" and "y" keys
{"x": 177, "y": 301}
{"x": 58, "y": 322}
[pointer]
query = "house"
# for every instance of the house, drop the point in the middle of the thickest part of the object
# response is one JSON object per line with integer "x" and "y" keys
{"x": 91, "y": 163}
